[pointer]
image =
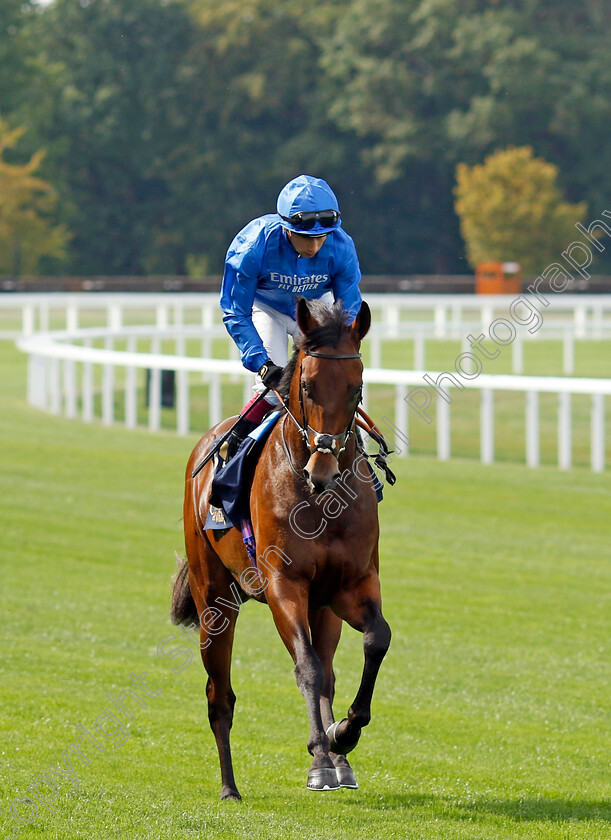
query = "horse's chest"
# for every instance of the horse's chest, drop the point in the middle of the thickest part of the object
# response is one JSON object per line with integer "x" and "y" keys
{"x": 339, "y": 566}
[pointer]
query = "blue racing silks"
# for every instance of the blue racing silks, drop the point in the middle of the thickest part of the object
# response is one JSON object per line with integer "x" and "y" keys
{"x": 262, "y": 265}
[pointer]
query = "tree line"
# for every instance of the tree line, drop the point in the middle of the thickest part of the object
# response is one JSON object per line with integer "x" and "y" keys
{"x": 153, "y": 130}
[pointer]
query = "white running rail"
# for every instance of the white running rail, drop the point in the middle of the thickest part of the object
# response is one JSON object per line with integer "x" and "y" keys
{"x": 53, "y": 385}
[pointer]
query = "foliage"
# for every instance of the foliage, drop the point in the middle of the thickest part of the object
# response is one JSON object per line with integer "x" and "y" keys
{"x": 257, "y": 121}
{"x": 27, "y": 232}
{"x": 511, "y": 209}
{"x": 427, "y": 84}
{"x": 16, "y": 52}
{"x": 426, "y": 79}
{"x": 169, "y": 124}
{"x": 116, "y": 127}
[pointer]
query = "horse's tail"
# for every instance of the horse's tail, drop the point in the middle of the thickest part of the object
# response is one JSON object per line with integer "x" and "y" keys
{"x": 183, "y": 609}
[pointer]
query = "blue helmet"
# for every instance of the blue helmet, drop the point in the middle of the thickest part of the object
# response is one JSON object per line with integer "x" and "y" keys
{"x": 308, "y": 206}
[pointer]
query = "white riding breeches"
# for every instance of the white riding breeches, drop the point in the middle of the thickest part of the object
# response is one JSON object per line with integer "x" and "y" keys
{"x": 274, "y": 329}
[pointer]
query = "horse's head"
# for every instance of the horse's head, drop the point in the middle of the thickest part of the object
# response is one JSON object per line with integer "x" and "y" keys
{"x": 326, "y": 385}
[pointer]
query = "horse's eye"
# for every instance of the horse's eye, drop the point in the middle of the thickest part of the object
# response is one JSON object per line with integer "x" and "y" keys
{"x": 304, "y": 387}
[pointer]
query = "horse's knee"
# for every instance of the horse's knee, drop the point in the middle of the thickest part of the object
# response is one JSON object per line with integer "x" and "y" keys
{"x": 220, "y": 704}
{"x": 376, "y": 638}
{"x": 309, "y": 673}
{"x": 328, "y": 687}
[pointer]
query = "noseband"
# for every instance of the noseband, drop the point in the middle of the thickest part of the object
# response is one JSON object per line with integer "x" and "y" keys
{"x": 321, "y": 441}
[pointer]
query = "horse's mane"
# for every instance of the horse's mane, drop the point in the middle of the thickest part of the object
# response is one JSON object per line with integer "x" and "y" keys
{"x": 331, "y": 327}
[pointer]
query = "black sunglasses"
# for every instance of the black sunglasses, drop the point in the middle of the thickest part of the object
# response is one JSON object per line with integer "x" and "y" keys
{"x": 307, "y": 220}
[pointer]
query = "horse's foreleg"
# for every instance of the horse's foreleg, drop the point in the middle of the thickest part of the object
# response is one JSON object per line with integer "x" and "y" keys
{"x": 289, "y": 608}
{"x": 326, "y": 628}
{"x": 361, "y": 609}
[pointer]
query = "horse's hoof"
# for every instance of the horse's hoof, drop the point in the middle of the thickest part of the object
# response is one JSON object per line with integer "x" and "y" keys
{"x": 323, "y": 778}
{"x": 230, "y": 795}
{"x": 333, "y": 744}
{"x": 346, "y": 778}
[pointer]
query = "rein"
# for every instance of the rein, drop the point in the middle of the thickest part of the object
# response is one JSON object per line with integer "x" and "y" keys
{"x": 366, "y": 423}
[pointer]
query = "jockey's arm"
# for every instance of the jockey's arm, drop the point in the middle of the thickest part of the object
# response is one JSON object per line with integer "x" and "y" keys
{"x": 237, "y": 317}
{"x": 346, "y": 283}
{"x": 240, "y": 279}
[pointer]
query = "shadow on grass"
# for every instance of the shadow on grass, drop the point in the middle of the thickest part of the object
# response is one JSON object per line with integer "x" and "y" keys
{"x": 522, "y": 809}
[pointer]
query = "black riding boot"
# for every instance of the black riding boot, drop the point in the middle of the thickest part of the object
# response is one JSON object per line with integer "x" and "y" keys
{"x": 239, "y": 432}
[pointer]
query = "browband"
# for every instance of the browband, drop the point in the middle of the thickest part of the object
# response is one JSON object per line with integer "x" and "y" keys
{"x": 332, "y": 355}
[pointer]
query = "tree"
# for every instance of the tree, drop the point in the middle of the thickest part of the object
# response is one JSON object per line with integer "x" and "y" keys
{"x": 27, "y": 232}
{"x": 511, "y": 209}
{"x": 257, "y": 118}
{"x": 16, "y": 52}
{"x": 168, "y": 124}
{"x": 425, "y": 84}
{"x": 267, "y": 114}
{"x": 111, "y": 107}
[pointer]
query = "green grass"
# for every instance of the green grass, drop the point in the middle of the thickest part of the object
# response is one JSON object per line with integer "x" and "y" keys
{"x": 491, "y": 715}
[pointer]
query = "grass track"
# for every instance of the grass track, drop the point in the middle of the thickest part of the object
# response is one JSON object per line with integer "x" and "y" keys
{"x": 491, "y": 716}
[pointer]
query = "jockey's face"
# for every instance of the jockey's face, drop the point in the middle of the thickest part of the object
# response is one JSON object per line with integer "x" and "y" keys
{"x": 306, "y": 246}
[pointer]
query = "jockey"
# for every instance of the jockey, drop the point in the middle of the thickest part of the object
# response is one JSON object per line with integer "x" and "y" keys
{"x": 300, "y": 251}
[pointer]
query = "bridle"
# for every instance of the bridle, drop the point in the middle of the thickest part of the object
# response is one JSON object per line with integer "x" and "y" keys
{"x": 321, "y": 441}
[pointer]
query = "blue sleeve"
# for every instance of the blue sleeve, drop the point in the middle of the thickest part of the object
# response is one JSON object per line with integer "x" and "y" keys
{"x": 240, "y": 279}
{"x": 346, "y": 280}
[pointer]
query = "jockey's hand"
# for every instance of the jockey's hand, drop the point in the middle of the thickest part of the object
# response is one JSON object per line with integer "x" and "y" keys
{"x": 271, "y": 374}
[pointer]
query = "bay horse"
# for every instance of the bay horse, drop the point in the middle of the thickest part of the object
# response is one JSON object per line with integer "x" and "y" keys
{"x": 314, "y": 571}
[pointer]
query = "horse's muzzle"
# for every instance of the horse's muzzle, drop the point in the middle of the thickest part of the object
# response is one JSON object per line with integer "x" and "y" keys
{"x": 321, "y": 472}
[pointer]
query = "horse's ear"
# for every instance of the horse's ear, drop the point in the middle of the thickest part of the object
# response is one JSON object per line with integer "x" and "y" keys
{"x": 362, "y": 322}
{"x": 305, "y": 320}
